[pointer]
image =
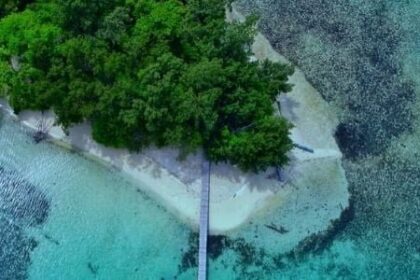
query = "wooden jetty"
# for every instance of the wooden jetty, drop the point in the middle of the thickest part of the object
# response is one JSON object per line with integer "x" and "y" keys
{"x": 204, "y": 220}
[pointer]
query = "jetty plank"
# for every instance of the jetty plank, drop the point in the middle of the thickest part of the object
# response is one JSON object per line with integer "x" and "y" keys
{"x": 204, "y": 220}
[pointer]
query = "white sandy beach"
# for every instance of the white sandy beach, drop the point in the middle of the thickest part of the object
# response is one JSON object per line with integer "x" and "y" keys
{"x": 236, "y": 196}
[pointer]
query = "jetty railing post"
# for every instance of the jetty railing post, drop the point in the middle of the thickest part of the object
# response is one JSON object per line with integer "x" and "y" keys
{"x": 204, "y": 220}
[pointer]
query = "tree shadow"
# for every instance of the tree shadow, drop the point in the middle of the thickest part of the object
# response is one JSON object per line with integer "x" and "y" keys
{"x": 161, "y": 161}
{"x": 288, "y": 107}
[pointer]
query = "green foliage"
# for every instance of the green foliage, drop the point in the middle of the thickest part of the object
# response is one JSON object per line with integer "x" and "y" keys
{"x": 31, "y": 44}
{"x": 165, "y": 73}
{"x": 115, "y": 25}
{"x": 7, "y": 6}
{"x": 264, "y": 143}
{"x": 10, "y": 6}
{"x": 85, "y": 16}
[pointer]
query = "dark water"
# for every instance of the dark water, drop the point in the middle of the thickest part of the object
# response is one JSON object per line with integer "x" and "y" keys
{"x": 364, "y": 58}
{"x": 22, "y": 205}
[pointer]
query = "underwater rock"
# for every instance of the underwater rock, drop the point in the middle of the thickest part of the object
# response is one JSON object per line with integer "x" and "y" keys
{"x": 351, "y": 140}
{"x": 316, "y": 243}
{"x": 276, "y": 228}
{"x": 93, "y": 268}
{"x": 21, "y": 205}
{"x": 14, "y": 251}
{"x": 190, "y": 257}
{"x": 247, "y": 253}
{"x": 21, "y": 201}
{"x": 216, "y": 245}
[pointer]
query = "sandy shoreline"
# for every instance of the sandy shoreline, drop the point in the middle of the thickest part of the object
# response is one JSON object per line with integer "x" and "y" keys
{"x": 235, "y": 196}
{"x": 234, "y": 199}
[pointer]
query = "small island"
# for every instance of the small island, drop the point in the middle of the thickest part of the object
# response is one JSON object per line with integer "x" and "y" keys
{"x": 156, "y": 89}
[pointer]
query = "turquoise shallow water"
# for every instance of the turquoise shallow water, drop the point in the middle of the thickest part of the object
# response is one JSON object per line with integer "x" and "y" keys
{"x": 98, "y": 225}
{"x": 65, "y": 217}
{"x": 86, "y": 221}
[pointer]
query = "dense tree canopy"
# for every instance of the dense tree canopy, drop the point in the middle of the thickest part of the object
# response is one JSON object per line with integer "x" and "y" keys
{"x": 167, "y": 73}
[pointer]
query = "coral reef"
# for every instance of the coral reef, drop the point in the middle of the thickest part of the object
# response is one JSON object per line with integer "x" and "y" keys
{"x": 22, "y": 205}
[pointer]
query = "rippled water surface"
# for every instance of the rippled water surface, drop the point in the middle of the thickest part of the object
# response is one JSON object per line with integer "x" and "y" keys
{"x": 65, "y": 217}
